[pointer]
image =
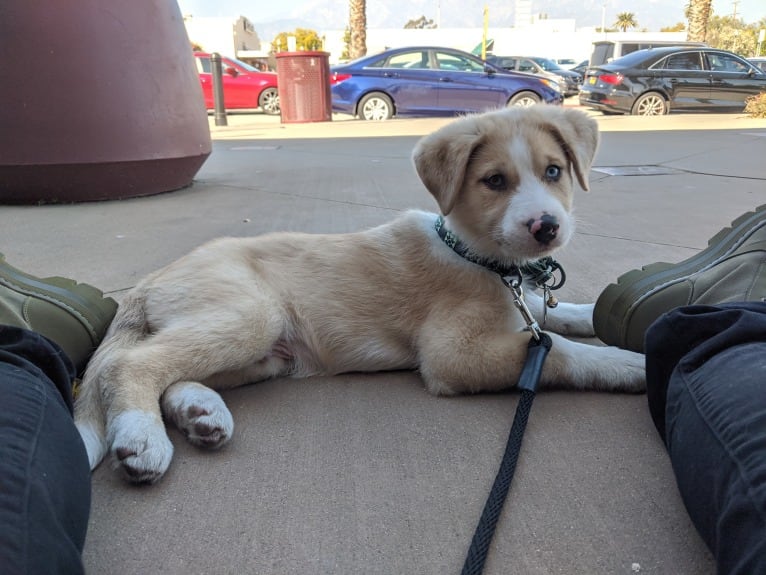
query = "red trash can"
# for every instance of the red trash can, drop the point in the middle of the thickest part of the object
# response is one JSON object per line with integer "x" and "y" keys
{"x": 304, "y": 86}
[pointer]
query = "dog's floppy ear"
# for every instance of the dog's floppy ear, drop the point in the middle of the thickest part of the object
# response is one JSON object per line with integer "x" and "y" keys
{"x": 441, "y": 160}
{"x": 579, "y": 137}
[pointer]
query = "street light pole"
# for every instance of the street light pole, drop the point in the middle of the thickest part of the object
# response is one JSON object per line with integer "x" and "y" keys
{"x": 484, "y": 33}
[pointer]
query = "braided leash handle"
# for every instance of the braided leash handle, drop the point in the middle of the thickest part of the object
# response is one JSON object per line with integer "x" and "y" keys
{"x": 482, "y": 537}
{"x": 485, "y": 530}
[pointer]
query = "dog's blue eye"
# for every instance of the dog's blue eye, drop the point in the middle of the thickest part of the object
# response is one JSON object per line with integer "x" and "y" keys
{"x": 496, "y": 182}
{"x": 552, "y": 173}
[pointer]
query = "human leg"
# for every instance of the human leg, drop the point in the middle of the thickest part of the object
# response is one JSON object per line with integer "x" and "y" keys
{"x": 705, "y": 360}
{"x": 707, "y": 397}
{"x": 44, "y": 471}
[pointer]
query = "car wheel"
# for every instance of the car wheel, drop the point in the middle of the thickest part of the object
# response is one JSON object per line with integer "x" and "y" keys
{"x": 524, "y": 99}
{"x": 269, "y": 101}
{"x": 651, "y": 104}
{"x": 375, "y": 106}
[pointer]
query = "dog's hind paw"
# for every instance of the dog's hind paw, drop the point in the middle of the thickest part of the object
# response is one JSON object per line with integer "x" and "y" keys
{"x": 140, "y": 446}
{"x": 199, "y": 413}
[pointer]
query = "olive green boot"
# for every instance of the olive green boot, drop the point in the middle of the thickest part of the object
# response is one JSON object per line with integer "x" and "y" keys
{"x": 732, "y": 268}
{"x": 73, "y": 315}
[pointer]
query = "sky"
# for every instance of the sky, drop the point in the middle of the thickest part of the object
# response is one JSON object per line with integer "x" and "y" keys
{"x": 749, "y": 10}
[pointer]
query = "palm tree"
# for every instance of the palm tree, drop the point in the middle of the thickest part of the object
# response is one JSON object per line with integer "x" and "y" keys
{"x": 698, "y": 13}
{"x": 625, "y": 20}
{"x": 358, "y": 25}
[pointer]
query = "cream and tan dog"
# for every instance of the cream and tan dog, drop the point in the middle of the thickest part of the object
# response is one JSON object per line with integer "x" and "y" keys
{"x": 240, "y": 310}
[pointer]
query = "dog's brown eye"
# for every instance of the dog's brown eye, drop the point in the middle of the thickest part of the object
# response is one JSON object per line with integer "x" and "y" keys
{"x": 552, "y": 173}
{"x": 496, "y": 182}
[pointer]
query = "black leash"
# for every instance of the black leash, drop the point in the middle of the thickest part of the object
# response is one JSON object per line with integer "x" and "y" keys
{"x": 530, "y": 376}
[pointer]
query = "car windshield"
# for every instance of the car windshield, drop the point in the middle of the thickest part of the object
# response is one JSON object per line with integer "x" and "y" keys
{"x": 371, "y": 57}
{"x": 547, "y": 65}
{"x": 244, "y": 65}
{"x": 633, "y": 58}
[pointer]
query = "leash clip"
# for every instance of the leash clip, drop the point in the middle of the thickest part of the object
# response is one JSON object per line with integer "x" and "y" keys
{"x": 514, "y": 284}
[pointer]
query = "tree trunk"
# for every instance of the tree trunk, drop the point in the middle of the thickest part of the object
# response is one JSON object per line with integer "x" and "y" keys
{"x": 358, "y": 27}
{"x": 699, "y": 16}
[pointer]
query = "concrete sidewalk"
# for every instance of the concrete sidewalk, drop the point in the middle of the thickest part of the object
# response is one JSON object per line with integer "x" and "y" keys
{"x": 367, "y": 473}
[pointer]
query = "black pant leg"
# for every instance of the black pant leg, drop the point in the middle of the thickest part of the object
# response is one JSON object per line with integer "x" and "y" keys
{"x": 706, "y": 377}
{"x": 44, "y": 471}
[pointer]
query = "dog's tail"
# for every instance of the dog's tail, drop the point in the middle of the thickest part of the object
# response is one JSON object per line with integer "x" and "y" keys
{"x": 128, "y": 327}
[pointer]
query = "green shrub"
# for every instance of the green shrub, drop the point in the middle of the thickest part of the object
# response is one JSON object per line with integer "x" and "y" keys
{"x": 755, "y": 106}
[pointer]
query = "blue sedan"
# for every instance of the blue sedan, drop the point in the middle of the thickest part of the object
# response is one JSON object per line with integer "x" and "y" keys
{"x": 431, "y": 81}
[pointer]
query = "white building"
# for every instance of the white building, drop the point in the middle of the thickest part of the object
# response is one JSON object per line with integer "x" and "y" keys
{"x": 522, "y": 14}
{"x": 228, "y": 36}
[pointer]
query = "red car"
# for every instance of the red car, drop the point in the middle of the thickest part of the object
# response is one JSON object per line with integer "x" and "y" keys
{"x": 243, "y": 85}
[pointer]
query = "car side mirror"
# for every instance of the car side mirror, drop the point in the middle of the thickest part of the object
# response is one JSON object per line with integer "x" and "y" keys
{"x": 232, "y": 71}
{"x": 489, "y": 70}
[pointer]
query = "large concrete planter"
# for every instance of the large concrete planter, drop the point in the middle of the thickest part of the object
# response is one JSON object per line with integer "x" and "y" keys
{"x": 99, "y": 99}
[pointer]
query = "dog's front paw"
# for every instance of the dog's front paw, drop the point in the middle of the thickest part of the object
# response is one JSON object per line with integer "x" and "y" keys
{"x": 570, "y": 319}
{"x": 140, "y": 446}
{"x": 573, "y": 319}
{"x": 628, "y": 371}
{"x": 200, "y": 414}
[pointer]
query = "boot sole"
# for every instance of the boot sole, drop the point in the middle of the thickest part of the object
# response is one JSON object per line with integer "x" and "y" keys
{"x": 85, "y": 302}
{"x": 615, "y": 306}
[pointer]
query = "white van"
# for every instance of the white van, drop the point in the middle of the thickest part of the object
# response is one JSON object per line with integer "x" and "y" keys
{"x": 604, "y": 51}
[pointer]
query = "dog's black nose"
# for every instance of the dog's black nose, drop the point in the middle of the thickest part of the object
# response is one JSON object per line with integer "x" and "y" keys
{"x": 544, "y": 230}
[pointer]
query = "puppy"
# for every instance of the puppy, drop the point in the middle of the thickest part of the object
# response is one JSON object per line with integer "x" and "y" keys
{"x": 240, "y": 310}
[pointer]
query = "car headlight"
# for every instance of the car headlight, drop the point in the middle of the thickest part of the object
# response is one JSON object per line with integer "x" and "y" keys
{"x": 551, "y": 84}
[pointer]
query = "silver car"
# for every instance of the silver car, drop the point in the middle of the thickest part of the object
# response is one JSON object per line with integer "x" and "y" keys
{"x": 568, "y": 80}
